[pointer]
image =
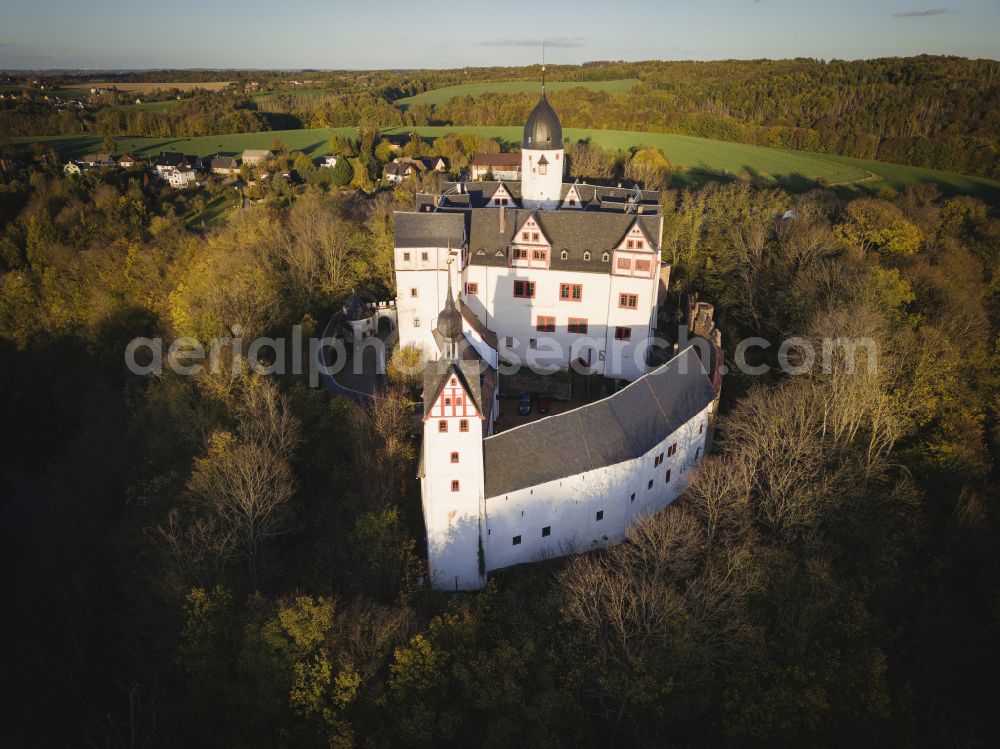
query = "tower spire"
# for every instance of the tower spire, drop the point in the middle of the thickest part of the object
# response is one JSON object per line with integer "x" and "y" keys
{"x": 543, "y": 67}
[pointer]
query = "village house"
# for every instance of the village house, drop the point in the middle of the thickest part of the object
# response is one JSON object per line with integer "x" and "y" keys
{"x": 257, "y": 157}
{"x": 502, "y": 166}
{"x": 225, "y": 165}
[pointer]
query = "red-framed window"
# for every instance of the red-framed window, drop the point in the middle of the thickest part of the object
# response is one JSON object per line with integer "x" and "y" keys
{"x": 472, "y": 288}
{"x": 455, "y": 486}
{"x": 639, "y": 244}
{"x": 672, "y": 450}
{"x": 447, "y": 401}
{"x": 524, "y": 289}
{"x": 534, "y": 236}
{"x": 458, "y": 400}
{"x": 642, "y": 266}
{"x": 630, "y": 244}
{"x": 623, "y": 334}
{"x": 625, "y": 263}
{"x": 463, "y": 425}
{"x": 658, "y": 460}
{"x": 571, "y": 292}
{"x": 519, "y": 254}
{"x": 628, "y": 301}
{"x": 526, "y": 236}
{"x": 545, "y": 324}
{"x": 442, "y": 426}
{"x": 454, "y": 457}
{"x": 577, "y": 325}
{"x": 538, "y": 254}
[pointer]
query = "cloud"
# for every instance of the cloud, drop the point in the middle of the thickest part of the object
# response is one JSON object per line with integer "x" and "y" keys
{"x": 558, "y": 41}
{"x": 6, "y": 44}
{"x": 922, "y": 13}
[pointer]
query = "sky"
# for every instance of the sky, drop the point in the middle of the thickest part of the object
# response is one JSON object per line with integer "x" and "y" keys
{"x": 292, "y": 34}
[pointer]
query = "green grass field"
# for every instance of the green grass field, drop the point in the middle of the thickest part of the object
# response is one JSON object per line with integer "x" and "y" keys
{"x": 696, "y": 159}
{"x": 442, "y": 95}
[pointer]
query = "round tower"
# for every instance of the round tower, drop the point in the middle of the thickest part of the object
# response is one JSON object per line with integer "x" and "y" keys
{"x": 542, "y": 158}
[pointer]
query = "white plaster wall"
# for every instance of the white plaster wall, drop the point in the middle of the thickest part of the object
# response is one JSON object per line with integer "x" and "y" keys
{"x": 569, "y": 505}
{"x": 495, "y": 304}
{"x": 541, "y": 190}
{"x": 452, "y": 518}
{"x": 430, "y": 280}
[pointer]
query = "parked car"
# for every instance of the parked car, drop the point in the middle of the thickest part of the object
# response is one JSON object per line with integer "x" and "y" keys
{"x": 542, "y": 405}
{"x": 524, "y": 408}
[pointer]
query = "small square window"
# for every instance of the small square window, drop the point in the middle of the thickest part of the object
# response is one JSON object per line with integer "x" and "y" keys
{"x": 623, "y": 334}
{"x": 442, "y": 426}
{"x": 463, "y": 425}
{"x": 534, "y": 236}
{"x": 413, "y": 292}
{"x": 423, "y": 256}
{"x": 600, "y": 514}
{"x": 517, "y": 541}
{"x": 454, "y": 457}
{"x": 630, "y": 244}
{"x": 406, "y": 257}
{"x": 532, "y": 343}
{"x": 416, "y": 322}
{"x": 472, "y": 288}
{"x": 546, "y": 531}
{"x": 447, "y": 401}
{"x": 455, "y": 485}
{"x": 526, "y": 236}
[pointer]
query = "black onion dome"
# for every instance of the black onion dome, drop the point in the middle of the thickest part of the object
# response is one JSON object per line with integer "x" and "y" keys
{"x": 542, "y": 131}
{"x": 449, "y": 323}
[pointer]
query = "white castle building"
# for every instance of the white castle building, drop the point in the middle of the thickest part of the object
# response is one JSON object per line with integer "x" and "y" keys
{"x": 553, "y": 275}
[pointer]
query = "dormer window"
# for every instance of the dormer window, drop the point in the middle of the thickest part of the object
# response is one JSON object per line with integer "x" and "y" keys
{"x": 564, "y": 255}
{"x": 605, "y": 257}
{"x": 586, "y": 255}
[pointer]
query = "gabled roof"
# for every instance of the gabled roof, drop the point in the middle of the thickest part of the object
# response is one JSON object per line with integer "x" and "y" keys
{"x": 224, "y": 162}
{"x": 574, "y": 232}
{"x": 437, "y": 373}
{"x": 429, "y": 229}
{"x": 506, "y": 160}
{"x": 624, "y": 426}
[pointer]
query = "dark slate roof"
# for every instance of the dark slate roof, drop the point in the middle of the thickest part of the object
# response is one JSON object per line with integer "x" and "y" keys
{"x": 477, "y": 325}
{"x": 496, "y": 159}
{"x": 575, "y": 232}
{"x": 429, "y": 229}
{"x": 169, "y": 158}
{"x": 478, "y": 193}
{"x": 224, "y": 162}
{"x": 543, "y": 129}
{"x": 621, "y": 427}
{"x": 436, "y": 374}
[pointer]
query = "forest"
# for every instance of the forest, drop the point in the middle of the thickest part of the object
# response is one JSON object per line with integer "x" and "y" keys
{"x": 235, "y": 560}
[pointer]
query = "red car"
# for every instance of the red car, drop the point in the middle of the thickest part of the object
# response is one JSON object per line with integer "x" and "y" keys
{"x": 542, "y": 405}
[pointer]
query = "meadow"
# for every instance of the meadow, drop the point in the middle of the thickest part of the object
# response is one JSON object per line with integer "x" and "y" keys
{"x": 441, "y": 95}
{"x": 694, "y": 159}
{"x": 139, "y": 88}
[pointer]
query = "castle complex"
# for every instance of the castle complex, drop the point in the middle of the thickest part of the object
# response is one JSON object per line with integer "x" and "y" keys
{"x": 495, "y": 274}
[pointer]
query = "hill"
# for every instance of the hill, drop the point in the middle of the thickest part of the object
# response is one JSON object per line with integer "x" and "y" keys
{"x": 441, "y": 95}
{"x": 695, "y": 159}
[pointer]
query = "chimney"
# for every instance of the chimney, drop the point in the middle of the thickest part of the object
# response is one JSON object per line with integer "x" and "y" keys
{"x": 503, "y": 219}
